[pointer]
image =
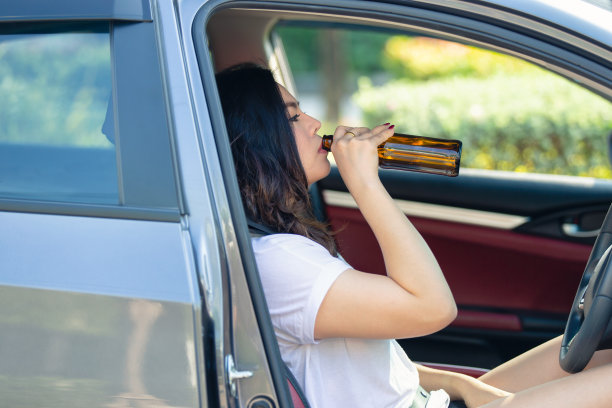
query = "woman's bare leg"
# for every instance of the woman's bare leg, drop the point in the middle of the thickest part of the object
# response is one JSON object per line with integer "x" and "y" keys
{"x": 590, "y": 388}
{"x": 537, "y": 366}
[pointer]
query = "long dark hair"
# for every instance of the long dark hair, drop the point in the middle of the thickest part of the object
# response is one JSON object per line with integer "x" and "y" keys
{"x": 270, "y": 175}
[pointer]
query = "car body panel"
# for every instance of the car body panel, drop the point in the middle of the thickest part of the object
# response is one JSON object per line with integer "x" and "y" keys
{"x": 66, "y": 10}
{"x": 234, "y": 301}
{"x": 86, "y": 305}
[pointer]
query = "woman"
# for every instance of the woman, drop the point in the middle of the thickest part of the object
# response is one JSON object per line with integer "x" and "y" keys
{"x": 335, "y": 325}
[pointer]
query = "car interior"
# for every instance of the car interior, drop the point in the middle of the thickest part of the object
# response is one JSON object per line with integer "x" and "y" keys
{"x": 513, "y": 277}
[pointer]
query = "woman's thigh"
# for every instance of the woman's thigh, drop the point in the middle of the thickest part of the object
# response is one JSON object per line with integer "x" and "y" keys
{"x": 537, "y": 366}
{"x": 589, "y": 388}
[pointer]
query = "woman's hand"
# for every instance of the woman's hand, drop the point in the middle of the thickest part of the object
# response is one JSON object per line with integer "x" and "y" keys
{"x": 475, "y": 393}
{"x": 472, "y": 391}
{"x": 356, "y": 154}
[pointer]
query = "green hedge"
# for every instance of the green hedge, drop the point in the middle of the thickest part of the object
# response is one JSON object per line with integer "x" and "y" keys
{"x": 528, "y": 121}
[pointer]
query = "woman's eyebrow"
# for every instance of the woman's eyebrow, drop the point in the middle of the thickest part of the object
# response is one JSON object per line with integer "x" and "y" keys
{"x": 292, "y": 105}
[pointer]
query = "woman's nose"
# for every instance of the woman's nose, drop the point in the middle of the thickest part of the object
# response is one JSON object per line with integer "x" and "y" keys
{"x": 316, "y": 124}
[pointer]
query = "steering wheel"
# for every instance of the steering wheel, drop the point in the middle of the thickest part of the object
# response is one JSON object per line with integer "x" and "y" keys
{"x": 588, "y": 326}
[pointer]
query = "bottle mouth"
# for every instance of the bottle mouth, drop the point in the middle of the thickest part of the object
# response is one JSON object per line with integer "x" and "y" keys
{"x": 327, "y": 142}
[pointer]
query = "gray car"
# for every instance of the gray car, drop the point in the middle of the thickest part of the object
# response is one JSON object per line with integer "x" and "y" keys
{"x": 126, "y": 272}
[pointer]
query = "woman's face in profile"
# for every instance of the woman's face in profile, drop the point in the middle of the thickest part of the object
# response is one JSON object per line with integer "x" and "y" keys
{"x": 305, "y": 128}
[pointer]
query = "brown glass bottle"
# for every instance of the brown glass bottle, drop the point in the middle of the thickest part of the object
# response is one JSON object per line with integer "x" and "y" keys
{"x": 416, "y": 153}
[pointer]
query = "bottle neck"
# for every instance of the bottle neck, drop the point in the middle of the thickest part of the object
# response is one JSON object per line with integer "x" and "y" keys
{"x": 327, "y": 142}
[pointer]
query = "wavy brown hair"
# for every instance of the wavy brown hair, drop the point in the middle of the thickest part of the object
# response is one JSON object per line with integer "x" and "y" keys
{"x": 270, "y": 175}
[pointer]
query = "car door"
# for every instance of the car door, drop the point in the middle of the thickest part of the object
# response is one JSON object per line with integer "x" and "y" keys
{"x": 98, "y": 289}
{"x": 512, "y": 233}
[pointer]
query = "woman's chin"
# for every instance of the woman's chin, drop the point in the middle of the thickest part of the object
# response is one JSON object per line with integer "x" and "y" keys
{"x": 321, "y": 174}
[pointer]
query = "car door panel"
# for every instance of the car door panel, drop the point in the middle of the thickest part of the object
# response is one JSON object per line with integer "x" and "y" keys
{"x": 512, "y": 266}
{"x": 70, "y": 285}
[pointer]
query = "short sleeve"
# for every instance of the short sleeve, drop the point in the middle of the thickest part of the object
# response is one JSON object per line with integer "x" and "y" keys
{"x": 296, "y": 274}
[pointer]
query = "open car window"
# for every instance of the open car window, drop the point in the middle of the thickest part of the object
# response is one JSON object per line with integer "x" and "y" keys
{"x": 510, "y": 114}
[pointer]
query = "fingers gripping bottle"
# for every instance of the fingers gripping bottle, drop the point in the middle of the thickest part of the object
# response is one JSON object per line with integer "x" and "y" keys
{"x": 416, "y": 153}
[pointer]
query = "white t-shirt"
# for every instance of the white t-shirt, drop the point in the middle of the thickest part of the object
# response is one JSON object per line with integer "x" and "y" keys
{"x": 296, "y": 274}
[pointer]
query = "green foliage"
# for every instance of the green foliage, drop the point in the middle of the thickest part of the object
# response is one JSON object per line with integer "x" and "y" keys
{"x": 301, "y": 48}
{"x": 528, "y": 122}
{"x": 363, "y": 50}
{"x": 509, "y": 114}
{"x": 54, "y": 89}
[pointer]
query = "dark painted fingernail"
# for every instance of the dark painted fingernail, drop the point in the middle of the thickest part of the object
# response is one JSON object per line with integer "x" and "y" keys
{"x": 391, "y": 127}
{"x": 386, "y": 124}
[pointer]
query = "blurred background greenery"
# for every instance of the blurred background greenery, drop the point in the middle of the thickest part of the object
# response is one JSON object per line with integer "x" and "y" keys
{"x": 54, "y": 88}
{"x": 510, "y": 114}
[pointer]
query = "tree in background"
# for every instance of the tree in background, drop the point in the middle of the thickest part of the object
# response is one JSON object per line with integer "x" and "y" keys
{"x": 333, "y": 68}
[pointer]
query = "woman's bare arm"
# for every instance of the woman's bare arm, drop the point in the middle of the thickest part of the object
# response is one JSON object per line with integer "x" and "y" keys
{"x": 414, "y": 298}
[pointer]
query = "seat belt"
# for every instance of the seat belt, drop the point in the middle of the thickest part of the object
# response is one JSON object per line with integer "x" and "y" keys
{"x": 259, "y": 230}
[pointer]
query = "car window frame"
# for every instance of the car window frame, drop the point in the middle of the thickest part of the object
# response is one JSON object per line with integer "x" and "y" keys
{"x": 236, "y": 210}
{"x": 68, "y": 10}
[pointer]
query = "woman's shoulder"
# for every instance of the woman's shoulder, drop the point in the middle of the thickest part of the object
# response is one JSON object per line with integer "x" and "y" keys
{"x": 297, "y": 247}
{"x": 284, "y": 241}
{"x": 297, "y": 261}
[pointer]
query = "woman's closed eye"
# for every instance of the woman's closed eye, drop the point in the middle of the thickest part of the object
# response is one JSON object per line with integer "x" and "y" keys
{"x": 294, "y": 118}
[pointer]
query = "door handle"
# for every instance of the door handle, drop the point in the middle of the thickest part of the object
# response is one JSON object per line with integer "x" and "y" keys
{"x": 573, "y": 230}
{"x": 233, "y": 374}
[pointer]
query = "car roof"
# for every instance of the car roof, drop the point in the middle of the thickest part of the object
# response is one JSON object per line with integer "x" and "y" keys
{"x": 588, "y": 19}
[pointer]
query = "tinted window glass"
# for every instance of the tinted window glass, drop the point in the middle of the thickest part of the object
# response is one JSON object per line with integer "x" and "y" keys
{"x": 55, "y": 89}
{"x": 511, "y": 115}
